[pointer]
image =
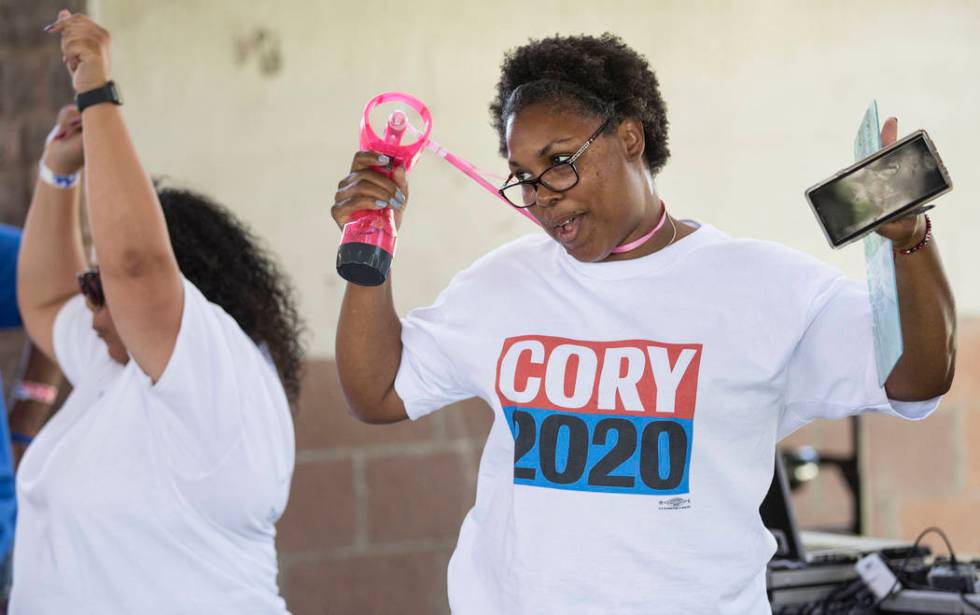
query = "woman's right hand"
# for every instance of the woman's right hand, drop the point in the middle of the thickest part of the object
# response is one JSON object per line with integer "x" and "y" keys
{"x": 366, "y": 189}
{"x": 63, "y": 150}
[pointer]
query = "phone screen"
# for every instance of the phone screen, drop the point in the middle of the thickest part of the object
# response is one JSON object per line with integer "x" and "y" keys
{"x": 899, "y": 179}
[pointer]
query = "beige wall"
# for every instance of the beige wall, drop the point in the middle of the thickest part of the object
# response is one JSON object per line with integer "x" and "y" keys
{"x": 764, "y": 99}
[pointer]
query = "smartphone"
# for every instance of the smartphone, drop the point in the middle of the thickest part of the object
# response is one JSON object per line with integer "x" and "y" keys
{"x": 891, "y": 183}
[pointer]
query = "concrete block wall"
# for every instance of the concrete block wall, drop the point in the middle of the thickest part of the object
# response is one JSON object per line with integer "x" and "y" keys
{"x": 33, "y": 86}
{"x": 375, "y": 509}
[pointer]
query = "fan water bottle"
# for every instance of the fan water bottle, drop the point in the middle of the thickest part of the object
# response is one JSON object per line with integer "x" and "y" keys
{"x": 367, "y": 246}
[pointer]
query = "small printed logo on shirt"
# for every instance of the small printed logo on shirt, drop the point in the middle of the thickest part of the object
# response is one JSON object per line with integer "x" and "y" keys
{"x": 614, "y": 417}
{"x": 677, "y": 503}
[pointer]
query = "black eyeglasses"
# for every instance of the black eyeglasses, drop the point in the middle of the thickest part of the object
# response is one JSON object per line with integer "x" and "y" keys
{"x": 90, "y": 283}
{"x": 557, "y": 178}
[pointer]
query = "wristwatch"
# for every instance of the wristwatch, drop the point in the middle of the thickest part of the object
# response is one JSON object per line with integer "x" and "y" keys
{"x": 107, "y": 93}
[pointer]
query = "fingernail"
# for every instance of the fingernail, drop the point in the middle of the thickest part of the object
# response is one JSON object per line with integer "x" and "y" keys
{"x": 60, "y": 135}
{"x": 380, "y": 204}
{"x": 382, "y": 159}
{"x": 400, "y": 196}
{"x": 49, "y": 27}
{"x": 395, "y": 203}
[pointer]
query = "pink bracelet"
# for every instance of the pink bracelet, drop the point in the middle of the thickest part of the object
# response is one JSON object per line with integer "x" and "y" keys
{"x": 924, "y": 241}
{"x": 36, "y": 391}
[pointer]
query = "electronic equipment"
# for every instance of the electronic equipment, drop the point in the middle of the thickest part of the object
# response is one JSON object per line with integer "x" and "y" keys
{"x": 895, "y": 181}
{"x": 804, "y": 579}
{"x": 798, "y": 575}
{"x": 949, "y": 577}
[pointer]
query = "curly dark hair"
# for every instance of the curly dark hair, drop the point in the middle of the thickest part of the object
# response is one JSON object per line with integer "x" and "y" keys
{"x": 219, "y": 255}
{"x": 600, "y": 76}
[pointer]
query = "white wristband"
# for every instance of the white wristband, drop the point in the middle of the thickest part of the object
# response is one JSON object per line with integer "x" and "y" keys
{"x": 63, "y": 182}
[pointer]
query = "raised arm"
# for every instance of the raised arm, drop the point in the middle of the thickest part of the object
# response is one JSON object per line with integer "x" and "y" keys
{"x": 51, "y": 252}
{"x": 369, "y": 333}
{"x": 142, "y": 283}
{"x": 926, "y": 305}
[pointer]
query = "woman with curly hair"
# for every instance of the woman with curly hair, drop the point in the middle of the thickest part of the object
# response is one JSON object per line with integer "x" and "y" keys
{"x": 157, "y": 486}
{"x": 641, "y": 368}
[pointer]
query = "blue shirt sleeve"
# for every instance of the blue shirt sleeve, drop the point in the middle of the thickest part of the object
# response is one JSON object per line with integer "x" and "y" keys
{"x": 8, "y": 495}
{"x": 9, "y": 317}
{"x": 9, "y": 246}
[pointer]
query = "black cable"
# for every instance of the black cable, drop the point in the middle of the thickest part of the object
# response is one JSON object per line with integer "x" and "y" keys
{"x": 908, "y": 556}
{"x": 830, "y": 598}
{"x": 842, "y": 599}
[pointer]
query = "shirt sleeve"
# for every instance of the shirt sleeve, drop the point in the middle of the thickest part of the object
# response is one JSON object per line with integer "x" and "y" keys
{"x": 213, "y": 374}
{"x": 427, "y": 378}
{"x": 79, "y": 350}
{"x": 9, "y": 247}
{"x": 8, "y": 493}
{"x": 832, "y": 372}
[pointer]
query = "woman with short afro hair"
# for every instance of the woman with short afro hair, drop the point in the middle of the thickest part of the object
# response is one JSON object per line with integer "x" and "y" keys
{"x": 640, "y": 367}
{"x": 598, "y": 76}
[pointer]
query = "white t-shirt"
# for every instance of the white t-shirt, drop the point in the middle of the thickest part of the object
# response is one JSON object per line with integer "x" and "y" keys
{"x": 143, "y": 498}
{"x": 637, "y": 408}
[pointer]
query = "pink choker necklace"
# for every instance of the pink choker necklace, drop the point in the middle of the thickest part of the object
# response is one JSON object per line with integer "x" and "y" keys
{"x": 642, "y": 240}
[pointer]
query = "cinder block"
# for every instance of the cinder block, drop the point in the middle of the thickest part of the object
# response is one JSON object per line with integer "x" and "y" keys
{"x": 14, "y": 194}
{"x": 912, "y": 457}
{"x": 323, "y": 421}
{"x": 956, "y": 516}
{"x": 10, "y": 141}
{"x": 35, "y": 129}
{"x": 406, "y": 584}
{"x": 828, "y": 437}
{"x": 966, "y": 383}
{"x": 470, "y": 418}
{"x": 321, "y": 510}
{"x": 23, "y": 81}
{"x": 971, "y": 442}
{"x": 21, "y": 23}
{"x": 417, "y": 496}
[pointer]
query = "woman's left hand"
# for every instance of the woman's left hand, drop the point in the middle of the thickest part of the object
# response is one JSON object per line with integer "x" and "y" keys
{"x": 909, "y": 230}
{"x": 84, "y": 50}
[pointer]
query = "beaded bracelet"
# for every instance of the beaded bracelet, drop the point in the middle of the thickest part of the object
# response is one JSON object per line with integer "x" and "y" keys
{"x": 924, "y": 240}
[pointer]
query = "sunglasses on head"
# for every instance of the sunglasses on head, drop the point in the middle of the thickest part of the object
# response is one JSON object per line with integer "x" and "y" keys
{"x": 90, "y": 284}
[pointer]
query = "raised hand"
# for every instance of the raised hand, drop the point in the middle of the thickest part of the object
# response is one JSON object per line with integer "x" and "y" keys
{"x": 909, "y": 230}
{"x": 63, "y": 149}
{"x": 84, "y": 50}
{"x": 365, "y": 189}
